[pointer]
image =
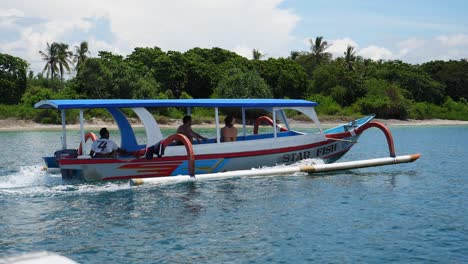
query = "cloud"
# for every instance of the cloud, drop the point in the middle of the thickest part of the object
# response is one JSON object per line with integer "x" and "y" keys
{"x": 444, "y": 47}
{"x": 171, "y": 25}
{"x": 454, "y": 40}
{"x": 375, "y": 53}
{"x": 8, "y": 17}
{"x": 244, "y": 51}
{"x": 411, "y": 50}
{"x": 338, "y": 46}
{"x": 240, "y": 26}
{"x": 410, "y": 46}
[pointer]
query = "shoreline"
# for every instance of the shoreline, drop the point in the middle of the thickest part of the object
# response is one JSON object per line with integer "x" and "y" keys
{"x": 8, "y": 125}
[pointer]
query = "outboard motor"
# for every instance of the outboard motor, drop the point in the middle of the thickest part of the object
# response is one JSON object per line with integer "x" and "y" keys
{"x": 66, "y": 154}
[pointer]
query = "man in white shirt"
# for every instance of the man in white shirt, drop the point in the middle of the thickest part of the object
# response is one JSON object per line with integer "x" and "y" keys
{"x": 104, "y": 147}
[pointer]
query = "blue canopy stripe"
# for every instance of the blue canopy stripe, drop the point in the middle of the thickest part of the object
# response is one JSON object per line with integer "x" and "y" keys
{"x": 128, "y": 103}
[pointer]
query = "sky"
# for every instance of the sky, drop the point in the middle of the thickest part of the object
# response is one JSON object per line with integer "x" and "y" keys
{"x": 414, "y": 31}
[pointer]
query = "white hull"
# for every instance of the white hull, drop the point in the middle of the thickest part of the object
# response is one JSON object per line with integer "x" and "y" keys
{"x": 210, "y": 158}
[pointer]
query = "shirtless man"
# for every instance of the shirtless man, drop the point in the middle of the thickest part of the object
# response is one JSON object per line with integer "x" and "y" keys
{"x": 186, "y": 130}
{"x": 229, "y": 132}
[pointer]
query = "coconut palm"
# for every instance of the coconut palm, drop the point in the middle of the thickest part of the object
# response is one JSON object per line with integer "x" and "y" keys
{"x": 50, "y": 56}
{"x": 81, "y": 53}
{"x": 318, "y": 49}
{"x": 350, "y": 57}
{"x": 294, "y": 55}
{"x": 257, "y": 55}
{"x": 64, "y": 56}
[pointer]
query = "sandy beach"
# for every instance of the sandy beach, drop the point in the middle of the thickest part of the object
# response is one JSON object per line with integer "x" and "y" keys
{"x": 12, "y": 124}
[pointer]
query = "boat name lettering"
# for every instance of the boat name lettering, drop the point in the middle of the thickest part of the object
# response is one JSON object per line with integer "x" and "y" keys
{"x": 291, "y": 157}
{"x": 326, "y": 150}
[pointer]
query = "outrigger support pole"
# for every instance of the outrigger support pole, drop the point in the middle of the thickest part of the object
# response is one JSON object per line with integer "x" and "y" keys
{"x": 188, "y": 146}
{"x": 385, "y": 130}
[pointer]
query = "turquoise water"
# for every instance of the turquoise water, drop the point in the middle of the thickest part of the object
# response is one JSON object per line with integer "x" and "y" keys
{"x": 411, "y": 213}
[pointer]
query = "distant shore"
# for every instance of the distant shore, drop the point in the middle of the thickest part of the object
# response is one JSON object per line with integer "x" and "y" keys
{"x": 12, "y": 124}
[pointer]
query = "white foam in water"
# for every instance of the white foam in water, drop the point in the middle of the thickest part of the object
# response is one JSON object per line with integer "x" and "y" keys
{"x": 26, "y": 176}
{"x": 90, "y": 188}
{"x": 33, "y": 180}
{"x": 299, "y": 163}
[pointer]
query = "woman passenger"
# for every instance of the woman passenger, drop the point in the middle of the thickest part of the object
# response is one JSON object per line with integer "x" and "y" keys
{"x": 229, "y": 132}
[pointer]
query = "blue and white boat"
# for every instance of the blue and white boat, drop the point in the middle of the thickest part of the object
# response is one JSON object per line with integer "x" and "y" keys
{"x": 280, "y": 145}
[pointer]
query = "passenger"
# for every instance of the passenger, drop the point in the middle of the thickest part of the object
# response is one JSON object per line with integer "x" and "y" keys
{"x": 229, "y": 132}
{"x": 186, "y": 130}
{"x": 104, "y": 147}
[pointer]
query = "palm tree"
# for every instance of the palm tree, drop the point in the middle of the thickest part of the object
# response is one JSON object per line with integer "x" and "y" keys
{"x": 64, "y": 56}
{"x": 350, "y": 57}
{"x": 51, "y": 57}
{"x": 294, "y": 55}
{"x": 318, "y": 49}
{"x": 257, "y": 55}
{"x": 81, "y": 53}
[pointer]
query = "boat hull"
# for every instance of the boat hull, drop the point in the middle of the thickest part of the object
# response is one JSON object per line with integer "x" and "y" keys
{"x": 210, "y": 158}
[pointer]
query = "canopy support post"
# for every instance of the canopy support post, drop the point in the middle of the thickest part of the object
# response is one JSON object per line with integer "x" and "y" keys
{"x": 64, "y": 130}
{"x": 82, "y": 132}
{"x": 218, "y": 135}
{"x": 274, "y": 123}
{"x": 243, "y": 122}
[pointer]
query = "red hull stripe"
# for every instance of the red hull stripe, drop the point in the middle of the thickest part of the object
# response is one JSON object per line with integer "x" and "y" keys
{"x": 175, "y": 159}
{"x": 161, "y": 174}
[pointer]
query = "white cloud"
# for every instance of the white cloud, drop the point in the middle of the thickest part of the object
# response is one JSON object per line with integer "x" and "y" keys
{"x": 12, "y": 12}
{"x": 244, "y": 51}
{"x": 375, "y": 53}
{"x": 170, "y": 25}
{"x": 454, "y": 40}
{"x": 412, "y": 50}
{"x": 236, "y": 25}
{"x": 408, "y": 46}
{"x": 338, "y": 46}
{"x": 447, "y": 47}
{"x": 8, "y": 17}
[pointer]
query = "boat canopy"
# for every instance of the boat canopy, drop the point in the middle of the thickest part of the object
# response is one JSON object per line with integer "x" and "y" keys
{"x": 153, "y": 133}
{"x": 132, "y": 103}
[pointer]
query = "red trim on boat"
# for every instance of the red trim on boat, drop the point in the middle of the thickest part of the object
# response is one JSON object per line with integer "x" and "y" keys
{"x": 197, "y": 157}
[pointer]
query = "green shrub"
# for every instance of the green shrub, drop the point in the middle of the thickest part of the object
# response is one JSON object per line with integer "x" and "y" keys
{"x": 326, "y": 104}
{"x": 449, "y": 110}
{"x": 163, "y": 120}
{"x": 203, "y": 112}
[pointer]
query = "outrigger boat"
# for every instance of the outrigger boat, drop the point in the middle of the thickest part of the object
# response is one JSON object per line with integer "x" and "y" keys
{"x": 280, "y": 145}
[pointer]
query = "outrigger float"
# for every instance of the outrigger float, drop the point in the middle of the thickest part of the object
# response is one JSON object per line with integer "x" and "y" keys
{"x": 161, "y": 159}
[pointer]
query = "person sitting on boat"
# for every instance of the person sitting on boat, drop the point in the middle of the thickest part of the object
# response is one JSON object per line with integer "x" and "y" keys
{"x": 186, "y": 130}
{"x": 229, "y": 132}
{"x": 104, "y": 147}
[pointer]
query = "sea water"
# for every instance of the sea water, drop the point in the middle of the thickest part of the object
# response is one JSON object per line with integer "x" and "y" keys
{"x": 410, "y": 213}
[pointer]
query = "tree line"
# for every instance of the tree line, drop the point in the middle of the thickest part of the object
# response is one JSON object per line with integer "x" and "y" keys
{"x": 344, "y": 86}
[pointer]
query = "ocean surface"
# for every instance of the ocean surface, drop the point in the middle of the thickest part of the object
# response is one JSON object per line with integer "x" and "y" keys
{"x": 407, "y": 213}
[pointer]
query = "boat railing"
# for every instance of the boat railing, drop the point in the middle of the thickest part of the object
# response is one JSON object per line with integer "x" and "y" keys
{"x": 180, "y": 138}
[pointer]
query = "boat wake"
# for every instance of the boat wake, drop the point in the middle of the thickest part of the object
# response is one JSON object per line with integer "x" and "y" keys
{"x": 33, "y": 180}
{"x": 26, "y": 176}
{"x": 296, "y": 169}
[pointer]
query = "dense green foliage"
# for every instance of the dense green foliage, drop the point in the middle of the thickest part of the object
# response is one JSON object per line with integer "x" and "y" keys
{"x": 12, "y": 78}
{"x": 342, "y": 86}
